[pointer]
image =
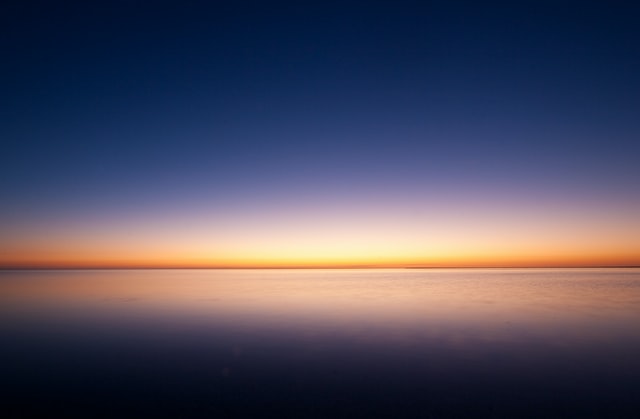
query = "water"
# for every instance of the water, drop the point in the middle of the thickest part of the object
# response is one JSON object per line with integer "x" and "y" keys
{"x": 321, "y": 343}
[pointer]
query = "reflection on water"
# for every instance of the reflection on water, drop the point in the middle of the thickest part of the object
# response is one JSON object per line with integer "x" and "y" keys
{"x": 321, "y": 343}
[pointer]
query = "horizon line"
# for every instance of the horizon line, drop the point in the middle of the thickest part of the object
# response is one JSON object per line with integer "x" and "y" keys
{"x": 302, "y": 267}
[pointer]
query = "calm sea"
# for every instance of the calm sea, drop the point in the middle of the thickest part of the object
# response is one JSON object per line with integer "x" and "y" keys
{"x": 495, "y": 343}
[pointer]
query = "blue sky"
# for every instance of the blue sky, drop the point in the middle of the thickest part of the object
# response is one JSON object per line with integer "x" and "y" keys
{"x": 129, "y": 111}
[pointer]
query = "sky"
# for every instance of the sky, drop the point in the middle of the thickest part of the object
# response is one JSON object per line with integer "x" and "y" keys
{"x": 319, "y": 134}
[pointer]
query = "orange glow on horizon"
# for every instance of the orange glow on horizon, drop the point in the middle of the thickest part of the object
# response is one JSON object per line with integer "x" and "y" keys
{"x": 461, "y": 261}
{"x": 484, "y": 233}
{"x": 390, "y": 250}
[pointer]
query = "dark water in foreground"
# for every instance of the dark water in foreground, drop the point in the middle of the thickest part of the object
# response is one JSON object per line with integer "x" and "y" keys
{"x": 321, "y": 343}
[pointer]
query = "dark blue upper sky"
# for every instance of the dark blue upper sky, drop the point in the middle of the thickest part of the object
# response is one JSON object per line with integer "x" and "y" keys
{"x": 124, "y": 103}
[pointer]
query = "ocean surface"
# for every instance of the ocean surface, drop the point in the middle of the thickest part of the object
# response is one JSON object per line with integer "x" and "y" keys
{"x": 423, "y": 343}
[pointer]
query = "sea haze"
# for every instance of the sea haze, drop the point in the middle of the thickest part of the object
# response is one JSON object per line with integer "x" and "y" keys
{"x": 321, "y": 343}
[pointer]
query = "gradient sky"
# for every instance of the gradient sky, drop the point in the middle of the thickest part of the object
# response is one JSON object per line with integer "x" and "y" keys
{"x": 443, "y": 133}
